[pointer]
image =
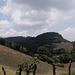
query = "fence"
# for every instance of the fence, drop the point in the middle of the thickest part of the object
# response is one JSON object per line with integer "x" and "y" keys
{"x": 35, "y": 67}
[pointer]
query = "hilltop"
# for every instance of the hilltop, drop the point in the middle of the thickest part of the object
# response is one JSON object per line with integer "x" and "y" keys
{"x": 53, "y": 39}
{"x": 44, "y": 46}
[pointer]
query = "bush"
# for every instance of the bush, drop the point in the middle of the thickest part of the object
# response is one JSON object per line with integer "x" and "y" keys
{"x": 60, "y": 64}
{"x": 2, "y": 41}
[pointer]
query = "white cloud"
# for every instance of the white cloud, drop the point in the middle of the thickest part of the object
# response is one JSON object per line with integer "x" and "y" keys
{"x": 35, "y": 16}
{"x": 6, "y": 9}
{"x": 47, "y": 4}
{"x": 12, "y": 32}
{"x": 68, "y": 33}
{"x": 4, "y": 24}
{"x": 56, "y": 16}
{"x": 22, "y": 12}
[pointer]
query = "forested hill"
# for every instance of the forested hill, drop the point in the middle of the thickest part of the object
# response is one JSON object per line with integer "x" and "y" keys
{"x": 32, "y": 44}
{"x": 15, "y": 39}
{"x": 49, "y": 36}
{"x": 44, "y": 46}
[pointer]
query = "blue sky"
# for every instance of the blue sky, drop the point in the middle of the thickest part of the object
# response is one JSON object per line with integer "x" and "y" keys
{"x": 34, "y": 17}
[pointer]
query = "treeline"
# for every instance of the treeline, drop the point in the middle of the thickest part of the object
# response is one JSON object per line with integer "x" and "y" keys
{"x": 42, "y": 47}
{"x": 33, "y": 43}
{"x": 13, "y": 46}
{"x": 44, "y": 53}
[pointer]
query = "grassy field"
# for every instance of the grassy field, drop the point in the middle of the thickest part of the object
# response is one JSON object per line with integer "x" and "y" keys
{"x": 59, "y": 71}
{"x": 67, "y": 46}
{"x": 9, "y": 59}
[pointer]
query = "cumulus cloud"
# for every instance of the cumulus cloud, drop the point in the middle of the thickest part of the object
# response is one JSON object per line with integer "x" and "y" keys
{"x": 4, "y": 24}
{"x": 12, "y": 32}
{"x": 36, "y": 16}
{"x": 47, "y": 4}
{"x": 68, "y": 33}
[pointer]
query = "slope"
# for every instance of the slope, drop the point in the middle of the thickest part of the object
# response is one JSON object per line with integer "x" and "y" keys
{"x": 11, "y": 58}
{"x": 53, "y": 39}
{"x": 66, "y": 45}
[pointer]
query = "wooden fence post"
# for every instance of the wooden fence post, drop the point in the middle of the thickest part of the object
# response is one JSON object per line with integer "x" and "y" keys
{"x": 4, "y": 71}
{"x": 20, "y": 70}
{"x": 69, "y": 67}
{"x": 54, "y": 68}
{"x": 35, "y": 67}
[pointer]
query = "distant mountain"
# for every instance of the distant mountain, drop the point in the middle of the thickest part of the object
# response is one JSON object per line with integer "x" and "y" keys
{"x": 33, "y": 43}
{"x": 43, "y": 46}
{"x": 15, "y": 39}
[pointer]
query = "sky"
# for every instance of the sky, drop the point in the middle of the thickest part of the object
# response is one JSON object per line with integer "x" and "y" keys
{"x": 34, "y": 17}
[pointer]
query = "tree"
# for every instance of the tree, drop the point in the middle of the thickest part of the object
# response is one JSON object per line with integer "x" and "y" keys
{"x": 29, "y": 65}
{"x": 2, "y": 41}
{"x": 46, "y": 49}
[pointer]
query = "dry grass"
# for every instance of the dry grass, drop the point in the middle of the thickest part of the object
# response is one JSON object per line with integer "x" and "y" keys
{"x": 65, "y": 45}
{"x": 9, "y": 58}
{"x": 12, "y": 58}
{"x": 59, "y": 71}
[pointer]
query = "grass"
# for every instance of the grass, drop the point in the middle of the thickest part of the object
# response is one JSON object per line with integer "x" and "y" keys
{"x": 65, "y": 45}
{"x": 9, "y": 59}
{"x": 10, "y": 71}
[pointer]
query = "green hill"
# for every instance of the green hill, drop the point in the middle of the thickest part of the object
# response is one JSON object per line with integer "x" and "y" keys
{"x": 33, "y": 43}
{"x": 45, "y": 46}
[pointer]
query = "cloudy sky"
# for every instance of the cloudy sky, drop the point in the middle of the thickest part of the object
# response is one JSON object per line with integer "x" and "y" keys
{"x": 33, "y": 17}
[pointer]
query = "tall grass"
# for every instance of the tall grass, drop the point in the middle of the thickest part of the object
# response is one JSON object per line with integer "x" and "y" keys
{"x": 10, "y": 71}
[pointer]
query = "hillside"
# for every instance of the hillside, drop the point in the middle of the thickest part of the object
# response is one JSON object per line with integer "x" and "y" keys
{"x": 33, "y": 43}
{"x": 45, "y": 46}
{"x": 11, "y": 58}
{"x": 66, "y": 45}
{"x": 15, "y": 39}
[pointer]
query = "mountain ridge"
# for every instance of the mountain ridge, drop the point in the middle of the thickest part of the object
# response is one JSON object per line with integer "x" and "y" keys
{"x": 32, "y": 43}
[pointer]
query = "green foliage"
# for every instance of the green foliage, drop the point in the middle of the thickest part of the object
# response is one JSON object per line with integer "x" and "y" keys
{"x": 33, "y": 43}
{"x": 65, "y": 58}
{"x": 42, "y": 46}
{"x": 46, "y": 58}
{"x": 46, "y": 49}
{"x": 59, "y": 64}
{"x": 56, "y": 59}
{"x": 16, "y": 47}
{"x": 29, "y": 65}
{"x": 2, "y": 41}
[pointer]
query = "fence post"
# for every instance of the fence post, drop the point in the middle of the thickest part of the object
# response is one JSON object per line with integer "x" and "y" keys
{"x": 20, "y": 70}
{"x": 69, "y": 67}
{"x": 54, "y": 68}
{"x": 35, "y": 67}
{"x": 4, "y": 71}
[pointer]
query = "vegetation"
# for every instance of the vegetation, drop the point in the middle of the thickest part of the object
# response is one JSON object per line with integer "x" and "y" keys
{"x": 58, "y": 71}
{"x": 33, "y": 43}
{"x": 2, "y": 41}
{"x": 42, "y": 47}
{"x": 28, "y": 66}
